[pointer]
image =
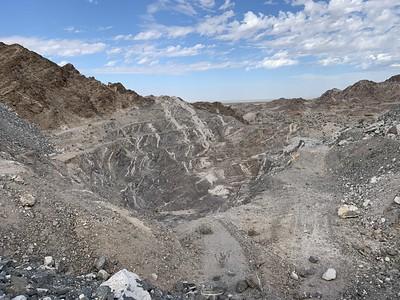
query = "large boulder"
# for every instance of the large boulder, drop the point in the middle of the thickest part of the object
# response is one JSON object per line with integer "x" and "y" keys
{"x": 125, "y": 284}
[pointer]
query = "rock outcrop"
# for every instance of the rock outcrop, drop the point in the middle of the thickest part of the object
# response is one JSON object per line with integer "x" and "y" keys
{"x": 49, "y": 95}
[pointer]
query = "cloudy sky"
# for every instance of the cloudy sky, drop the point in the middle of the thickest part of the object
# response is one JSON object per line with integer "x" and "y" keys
{"x": 214, "y": 49}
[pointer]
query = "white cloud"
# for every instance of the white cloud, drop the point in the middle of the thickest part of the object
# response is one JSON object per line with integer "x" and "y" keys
{"x": 177, "y": 51}
{"x": 156, "y": 32}
{"x": 171, "y": 69}
{"x": 228, "y": 4}
{"x": 147, "y": 35}
{"x": 72, "y": 29}
{"x": 115, "y": 50}
{"x": 104, "y": 28}
{"x": 280, "y": 59}
{"x": 56, "y": 47}
{"x": 180, "y": 6}
{"x": 148, "y": 54}
{"x": 247, "y": 28}
{"x": 207, "y": 3}
{"x": 214, "y": 25}
{"x": 111, "y": 63}
{"x": 62, "y": 63}
{"x": 124, "y": 37}
{"x": 353, "y": 32}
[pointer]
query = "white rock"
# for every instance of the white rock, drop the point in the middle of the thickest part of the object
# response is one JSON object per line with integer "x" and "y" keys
{"x": 18, "y": 179}
{"x": 27, "y": 200}
{"x": 397, "y": 200}
{"x": 366, "y": 203}
{"x": 83, "y": 297}
{"x": 348, "y": 211}
{"x": 21, "y": 297}
{"x": 48, "y": 261}
{"x": 294, "y": 276}
{"x": 329, "y": 274}
{"x": 373, "y": 180}
{"x": 126, "y": 284}
{"x": 154, "y": 276}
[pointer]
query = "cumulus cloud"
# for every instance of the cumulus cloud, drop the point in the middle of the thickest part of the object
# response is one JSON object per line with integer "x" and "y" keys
{"x": 148, "y": 54}
{"x": 56, "y": 47}
{"x": 228, "y": 4}
{"x": 180, "y": 6}
{"x": 278, "y": 60}
{"x": 354, "y": 32}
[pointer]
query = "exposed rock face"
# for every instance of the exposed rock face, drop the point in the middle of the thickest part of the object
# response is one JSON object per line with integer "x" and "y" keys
{"x": 365, "y": 91}
{"x": 41, "y": 91}
{"x": 220, "y": 109}
{"x": 172, "y": 156}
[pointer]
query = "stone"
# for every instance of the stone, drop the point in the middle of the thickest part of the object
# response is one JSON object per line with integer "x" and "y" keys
{"x": 18, "y": 285}
{"x": 393, "y": 130}
{"x": 294, "y": 275}
{"x": 313, "y": 259}
{"x": 391, "y": 251}
{"x": 396, "y": 200}
{"x": 103, "y": 275}
{"x": 329, "y": 274}
{"x": 20, "y": 297}
{"x": 126, "y": 284}
{"x": 154, "y": 276}
{"x": 48, "y": 261}
{"x": 83, "y": 297}
{"x": 373, "y": 180}
{"x": 241, "y": 286}
{"x": 305, "y": 272}
{"x": 253, "y": 282}
{"x": 27, "y": 200}
{"x": 348, "y": 211}
{"x": 104, "y": 293}
{"x": 91, "y": 276}
{"x": 100, "y": 263}
{"x": 18, "y": 179}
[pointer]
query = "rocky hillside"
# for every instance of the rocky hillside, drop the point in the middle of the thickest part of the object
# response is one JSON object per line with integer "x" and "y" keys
{"x": 48, "y": 95}
{"x": 288, "y": 199}
{"x": 366, "y": 91}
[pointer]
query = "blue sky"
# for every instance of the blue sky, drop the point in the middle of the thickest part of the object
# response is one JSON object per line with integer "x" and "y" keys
{"x": 214, "y": 49}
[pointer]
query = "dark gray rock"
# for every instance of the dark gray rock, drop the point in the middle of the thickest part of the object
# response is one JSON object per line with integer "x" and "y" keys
{"x": 104, "y": 293}
{"x": 241, "y": 286}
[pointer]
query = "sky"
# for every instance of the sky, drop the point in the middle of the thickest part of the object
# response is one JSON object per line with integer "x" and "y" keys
{"x": 214, "y": 50}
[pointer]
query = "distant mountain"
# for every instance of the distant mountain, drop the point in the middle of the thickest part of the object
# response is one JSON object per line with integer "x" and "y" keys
{"x": 49, "y": 95}
{"x": 366, "y": 90}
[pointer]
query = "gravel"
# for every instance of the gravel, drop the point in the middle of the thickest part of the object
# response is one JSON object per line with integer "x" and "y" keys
{"x": 18, "y": 136}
